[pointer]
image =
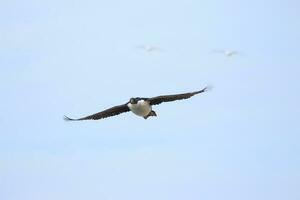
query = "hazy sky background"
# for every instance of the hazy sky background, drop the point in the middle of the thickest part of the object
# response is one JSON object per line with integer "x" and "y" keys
{"x": 238, "y": 141}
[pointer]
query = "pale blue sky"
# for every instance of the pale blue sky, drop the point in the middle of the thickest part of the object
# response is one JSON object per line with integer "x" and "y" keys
{"x": 238, "y": 141}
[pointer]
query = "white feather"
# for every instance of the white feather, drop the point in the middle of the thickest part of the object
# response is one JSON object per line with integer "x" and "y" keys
{"x": 142, "y": 108}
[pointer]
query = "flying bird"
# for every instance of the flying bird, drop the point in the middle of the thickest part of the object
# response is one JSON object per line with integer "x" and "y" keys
{"x": 139, "y": 105}
{"x": 149, "y": 48}
{"x": 227, "y": 53}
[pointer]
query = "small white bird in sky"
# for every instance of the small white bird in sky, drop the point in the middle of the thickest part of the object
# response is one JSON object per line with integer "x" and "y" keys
{"x": 227, "y": 52}
{"x": 149, "y": 48}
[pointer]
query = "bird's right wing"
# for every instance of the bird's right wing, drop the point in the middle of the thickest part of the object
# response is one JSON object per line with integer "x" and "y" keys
{"x": 167, "y": 98}
{"x": 116, "y": 110}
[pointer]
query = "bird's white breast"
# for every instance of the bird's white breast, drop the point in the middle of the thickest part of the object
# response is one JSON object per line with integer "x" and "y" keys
{"x": 142, "y": 108}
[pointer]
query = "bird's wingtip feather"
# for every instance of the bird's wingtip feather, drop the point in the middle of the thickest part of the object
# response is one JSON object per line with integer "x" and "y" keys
{"x": 208, "y": 88}
{"x": 67, "y": 118}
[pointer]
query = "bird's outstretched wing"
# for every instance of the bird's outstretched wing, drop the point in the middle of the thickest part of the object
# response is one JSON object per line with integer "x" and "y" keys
{"x": 103, "y": 114}
{"x": 166, "y": 98}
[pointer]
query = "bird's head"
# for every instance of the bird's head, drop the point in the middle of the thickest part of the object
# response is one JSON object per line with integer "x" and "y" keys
{"x": 133, "y": 101}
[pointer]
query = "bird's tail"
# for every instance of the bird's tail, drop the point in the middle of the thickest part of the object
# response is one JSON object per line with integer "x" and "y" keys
{"x": 152, "y": 113}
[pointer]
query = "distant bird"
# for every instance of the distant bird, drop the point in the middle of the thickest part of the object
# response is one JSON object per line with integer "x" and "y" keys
{"x": 139, "y": 106}
{"x": 227, "y": 53}
{"x": 149, "y": 48}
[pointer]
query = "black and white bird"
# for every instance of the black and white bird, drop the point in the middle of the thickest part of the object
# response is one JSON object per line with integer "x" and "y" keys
{"x": 139, "y": 106}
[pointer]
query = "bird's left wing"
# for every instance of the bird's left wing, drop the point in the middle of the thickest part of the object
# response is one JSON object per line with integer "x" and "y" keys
{"x": 166, "y": 98}
{"x": 116, "y": 110}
